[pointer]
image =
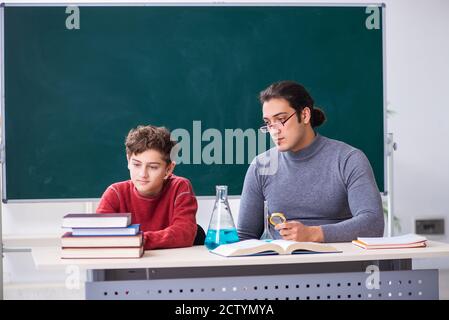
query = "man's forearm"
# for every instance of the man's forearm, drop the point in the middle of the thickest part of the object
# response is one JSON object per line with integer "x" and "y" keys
{"x": 315, "y": 234}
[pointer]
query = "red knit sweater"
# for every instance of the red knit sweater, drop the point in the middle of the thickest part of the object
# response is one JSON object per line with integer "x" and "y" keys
{"x": 166, "y": 219}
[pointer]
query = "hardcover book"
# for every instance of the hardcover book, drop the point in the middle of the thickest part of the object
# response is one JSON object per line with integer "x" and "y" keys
{"x": 262, "y": 247}
{"x": 405, "y": 241}
{"x": 67, "y": 240}
{"x": 96, "y": 220}
{"x": 127, "y": 231}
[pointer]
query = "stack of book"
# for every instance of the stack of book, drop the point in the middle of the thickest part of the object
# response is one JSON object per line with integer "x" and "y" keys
{"x": 97, "y": 236}
{"x": 410, "y": 240}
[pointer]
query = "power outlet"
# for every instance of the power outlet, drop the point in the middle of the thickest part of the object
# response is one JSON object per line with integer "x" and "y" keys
{"x": 430, "y": 226}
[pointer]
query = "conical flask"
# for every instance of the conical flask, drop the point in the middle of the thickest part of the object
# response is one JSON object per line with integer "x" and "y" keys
{"x": 266, "y": 235}
{"x": 221, "y": 226}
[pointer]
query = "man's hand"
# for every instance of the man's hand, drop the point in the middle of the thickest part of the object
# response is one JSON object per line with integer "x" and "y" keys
{"x": 296, "y": 231}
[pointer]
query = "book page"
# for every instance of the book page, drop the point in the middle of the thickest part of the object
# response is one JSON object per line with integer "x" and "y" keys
{"x": 285, "y": 244}
{"x": 290, "y": 246}
{"x": 246, "y": 247}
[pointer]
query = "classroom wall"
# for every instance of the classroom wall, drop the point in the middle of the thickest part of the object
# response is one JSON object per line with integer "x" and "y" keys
{"x": 417, "y": 47}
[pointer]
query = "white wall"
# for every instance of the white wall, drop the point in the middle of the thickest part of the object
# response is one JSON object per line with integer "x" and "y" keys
{"x": 417, "y": 52}
{"x": 418, "y": 82}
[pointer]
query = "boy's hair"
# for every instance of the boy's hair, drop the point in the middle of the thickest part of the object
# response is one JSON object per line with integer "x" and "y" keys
{"x": 143, "y": 138}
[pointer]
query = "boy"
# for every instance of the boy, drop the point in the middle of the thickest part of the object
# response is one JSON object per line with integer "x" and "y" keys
{"x": 163, "y": 204}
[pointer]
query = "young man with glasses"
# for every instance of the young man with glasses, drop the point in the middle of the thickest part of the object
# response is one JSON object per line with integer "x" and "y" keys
{"x": 325, "y": 188}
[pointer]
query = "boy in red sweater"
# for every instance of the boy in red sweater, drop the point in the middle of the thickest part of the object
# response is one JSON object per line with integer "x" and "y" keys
{"x": 163, "y": 204}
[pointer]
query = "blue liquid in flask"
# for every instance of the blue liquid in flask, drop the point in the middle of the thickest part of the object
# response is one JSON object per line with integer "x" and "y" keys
{"x": 221, "y": 229}
{"x": 225, "y": 236}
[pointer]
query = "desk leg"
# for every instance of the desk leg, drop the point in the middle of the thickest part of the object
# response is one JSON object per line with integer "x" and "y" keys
{"x": 95, "y": 275}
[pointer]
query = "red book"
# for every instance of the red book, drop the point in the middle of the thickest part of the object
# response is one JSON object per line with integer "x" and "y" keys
{"x": 67, "y": 240}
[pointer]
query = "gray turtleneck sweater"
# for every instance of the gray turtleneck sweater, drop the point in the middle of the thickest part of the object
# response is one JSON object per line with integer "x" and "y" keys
{"x": 328, "y": 183}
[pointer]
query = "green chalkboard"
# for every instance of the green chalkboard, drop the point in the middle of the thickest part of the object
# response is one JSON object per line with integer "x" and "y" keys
{"x": 71, "y": 95}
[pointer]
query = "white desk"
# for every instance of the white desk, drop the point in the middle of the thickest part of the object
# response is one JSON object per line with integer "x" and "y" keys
{"x": 194, "y": 273}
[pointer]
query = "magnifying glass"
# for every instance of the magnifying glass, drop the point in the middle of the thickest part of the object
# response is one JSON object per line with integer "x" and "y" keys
{"x": 277, "y": 218}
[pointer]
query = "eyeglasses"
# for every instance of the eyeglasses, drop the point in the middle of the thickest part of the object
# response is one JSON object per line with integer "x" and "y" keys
{"x": 275, "y": 125}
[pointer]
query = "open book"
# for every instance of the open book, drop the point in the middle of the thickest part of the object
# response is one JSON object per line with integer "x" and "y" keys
{"x": 262, "y": 247}
{"x": 410, "y": 240}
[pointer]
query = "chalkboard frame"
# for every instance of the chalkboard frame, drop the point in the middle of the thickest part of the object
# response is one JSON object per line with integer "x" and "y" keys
{"x": 212, "y": 4}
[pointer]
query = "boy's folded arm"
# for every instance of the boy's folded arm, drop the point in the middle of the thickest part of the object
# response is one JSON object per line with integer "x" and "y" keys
{"x": 109, "y": 202}
{"x": 181, "y": 232}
